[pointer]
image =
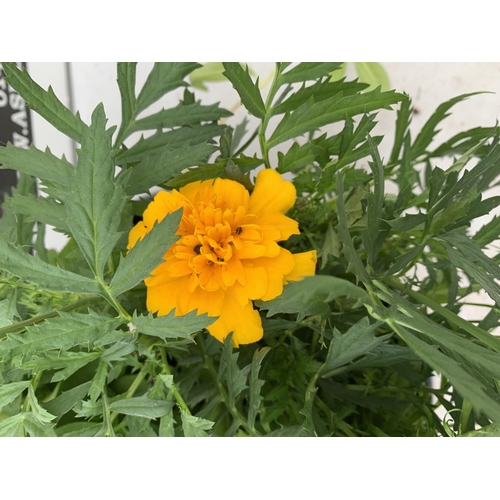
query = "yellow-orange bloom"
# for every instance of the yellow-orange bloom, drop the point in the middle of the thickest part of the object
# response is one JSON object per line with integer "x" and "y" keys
{"x": 227, "y": 254}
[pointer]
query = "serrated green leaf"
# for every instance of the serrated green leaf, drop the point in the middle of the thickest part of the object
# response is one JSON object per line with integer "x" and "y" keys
{"x": 181, "y": 116}
{"x": 167, "y": 141}
{"x": 463, "y": 142}
{"x": 40, "y": 414}
{"x": 295, "y": 158}
{"x": 40, "y": 209}
{"x": 67, "y": 331}
{"x": 356, "y": 341}
{"x": 195, "y": 426}
{"x": 331, "y": 246}
{"x": 312, "y": 115}
{"x": 118, "y": 351}
{"x": 247, "y": 90}
{"x": 167, "y": 425}
{"x": 307, "y": 71}
{"x": 171, "y": 326}
{"x": 164, "y": 77}
{"x": 67, "y": 400}
{"x": 488, "y": 233}
{"x": 12, "y": 426}
{"x": 155, "y": 170}
{"x": 428, "y": 131}
{"x": 404, "y": 259}
{"x": 408, "y": 222}
{"x": 230, "y": 372}
{"x": 297, "y": 296}
{"x": 146, "y": 255}
{"x": 374, "y": 74}
{"x": 8, "y": 308}
{"x": 95, "y": 199}
{"x": 32, "y": 161}
{"x": 99, "y": 381}
{"x": 126, "y": 73}
{"x": 255, "y": 385}
{"x": 142, "y": 407}
{"x": 44, "y": 102}
{"x": 47, "y": 277}
{"x": 9, "y": 392}
{"x": 402, "y": 124}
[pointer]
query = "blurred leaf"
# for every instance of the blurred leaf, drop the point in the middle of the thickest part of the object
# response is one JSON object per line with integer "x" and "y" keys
{"x": 247, "y": 90}
{"x": 146, "y": 255}
{"x": 208, "y": 72}
{"x": 374, "y": 74}
{"x": 308, "y": 71}
{"x": 488, "y": 233}
{"x": 9, "y": 392}
{"x": 163, "y": 78}
{"x": 142, "y": 407}
{"x": 126, "y": 73}
{"x": 492, "y": 430}
{"x": 44, "y": 102}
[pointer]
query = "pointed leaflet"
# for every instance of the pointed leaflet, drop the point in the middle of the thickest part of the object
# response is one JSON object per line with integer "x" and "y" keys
{"x": 180, "y": 116}
{"x": 142, "y": 407}
{"x": 126, "y": 72}
{"x": 164, "y": 77}
{"x": 402, "y": 123}
{"x": 146, "y": 254}
{"x": 256, "y": 385}
{"x": 312, "y": 115}
{"x": 154, "y": 170}
{"x": 95, "y": 199}
{"x": 247, "y": 90}
{"x": 171, "y": 326}
{"x": 32, "y": 161}
{"x": 429, "y": 129}
{"x": 62, "y": 333}
{"x": 195, "y": 426}
{"x": 39, "y": 413}
{"x": 47, "y": 277}
{"x": 358, "y": 340}
{"x": 99, "y": 381}
{"x": 67, "y": 400}
{"x": 231, "y": 372}
{"x": 307, "y": 71}
{"x": 44, "y": 102}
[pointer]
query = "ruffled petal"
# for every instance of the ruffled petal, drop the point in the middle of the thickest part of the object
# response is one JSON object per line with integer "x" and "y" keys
{"x": 244, "y": 321}
{"x": 271, "y": 193}
{"x": 277, "y": 226}
{"x": 305, "y": 265}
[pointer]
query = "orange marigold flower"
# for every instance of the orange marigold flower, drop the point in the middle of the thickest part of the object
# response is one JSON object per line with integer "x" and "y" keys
{"x": 227, "y": 254}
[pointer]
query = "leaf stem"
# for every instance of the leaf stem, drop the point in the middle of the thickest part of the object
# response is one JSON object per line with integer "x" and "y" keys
{"x": 178, "y": 397}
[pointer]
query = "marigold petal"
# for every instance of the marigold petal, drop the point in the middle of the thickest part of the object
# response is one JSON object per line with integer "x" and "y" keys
{"x": 255, "y": 287}
{"x": 271, "y": 193}
{"x": 162, "y": 298}
{"x": 276, "y": 268}
{"x": 244, "y": 321}
{"x": 305, "y": 265}
{"x": 277, "y": 226}
{"x": 163, "y": 203}
{"x": 233, "y": 193}
{"x": 201, "y": 300}
{"x": 136, "y": 233}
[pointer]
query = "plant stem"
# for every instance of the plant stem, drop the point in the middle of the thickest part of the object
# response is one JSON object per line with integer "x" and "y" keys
{"x": 178, "y": 397}
{"x": 222, "y": 390}
{"x": 38, "y": 319}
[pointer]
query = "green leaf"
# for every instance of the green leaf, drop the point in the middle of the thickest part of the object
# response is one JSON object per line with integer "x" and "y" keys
{"x": 8, "y": 308}
{"x": 202, "y": 173}
{"x": 405, "y": 259}
{"x": 374, "y": 74}
{"x": 154, "y": 170}
{"x": 164, "y": 77}
{"x": 356, "y": 341}
{"x": 293, "y": 431}
{"x": 429, "y": 129}
{"x": 307, "y": 71}
{"x": 99, "y": 381}
{"x": 40, "y": 209}
{"x": 299, "y": 296}
{"x": 463, "y": 142}
{"x": 209, "y": 72}
{"x": 492, "y": 430}
{"x": 12, "y": 426}
{"x": 467, "y": 385}
{"x": 402, "y": 124}
{"x": 295, "y": 158}
{"x": 126, "y": 72}
{"x": 171, "y": 326}
{"x": 95, "y": 199}
{"x": 9, "y": 392}
{"x": 230, "y": 372}
{"x": 67, "y": 400}
{"x": 408, "y": 222}
{"x": 312, "y": 115}
{"x": 331, "y": 246}
{"x": 67, "y": 331}
{"x": 47, "y": 277}
{"x": 488, "y": 233}
{"x": 142, "y": 407}
{"x": 44, "y": 102}
{"x": 247, "y": 90}
{"x": 255, "y": 385}
{"x": 167, "y": 141}
{"x": 180, "y": 116}
{"x": 39, "y": 413}
{"x": 146, "y": 255}
{"x": 41, "y": 164}
{"x": 195, "y": 426}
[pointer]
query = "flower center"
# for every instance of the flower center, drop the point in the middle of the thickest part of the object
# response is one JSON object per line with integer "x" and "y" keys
{"x": 215, "y": 238}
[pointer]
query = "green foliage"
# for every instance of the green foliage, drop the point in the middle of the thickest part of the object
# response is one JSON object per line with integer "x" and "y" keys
{"x": 348, "y": 352}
